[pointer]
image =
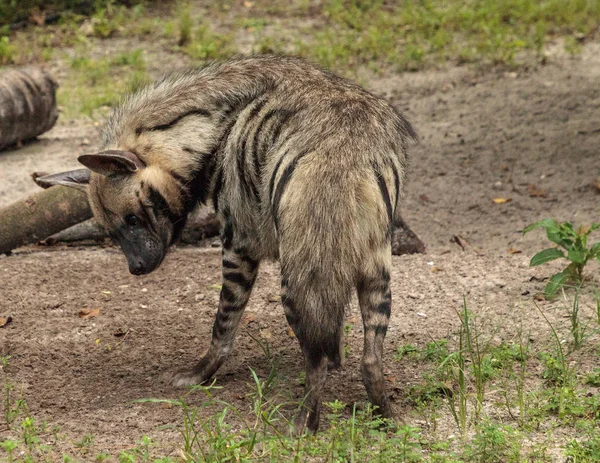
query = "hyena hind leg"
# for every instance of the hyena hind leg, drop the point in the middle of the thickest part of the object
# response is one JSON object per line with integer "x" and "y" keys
{"x": 375, "y": 298}
{"x": 316, "y": 360}
{"x": 239, "y": 274}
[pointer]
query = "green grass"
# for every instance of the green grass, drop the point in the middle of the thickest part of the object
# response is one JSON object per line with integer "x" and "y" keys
{"x": 344, "y": 35}
{"x": 94, "y": 85}
{"x": 417, "y": 33}
{"x": 478, "y": 401}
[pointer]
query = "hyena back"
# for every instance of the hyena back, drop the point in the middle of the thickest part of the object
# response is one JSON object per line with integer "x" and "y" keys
{"x": 300, "y": 165}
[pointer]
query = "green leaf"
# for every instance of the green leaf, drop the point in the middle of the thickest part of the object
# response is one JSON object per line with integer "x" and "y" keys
{"x": 545, "y": 224}
{"x": 594, "y": 226}
{"x": 556, "y": 282}
{"x": 567, "y": 228}
{"x": 558, "y": 236}
{"x": 577, "y": 256}
{"x": 546, "y": 256}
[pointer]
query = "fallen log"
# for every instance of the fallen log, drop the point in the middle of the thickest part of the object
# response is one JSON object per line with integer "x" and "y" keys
{"x": 405, "y": 241}
{"x": 201, "y": 225}
{"x": 27, "y": 104}
{"x": 41, "y": 215}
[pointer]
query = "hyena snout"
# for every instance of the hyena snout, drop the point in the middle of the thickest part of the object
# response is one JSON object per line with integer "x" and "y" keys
{"x": 143, "y": 255}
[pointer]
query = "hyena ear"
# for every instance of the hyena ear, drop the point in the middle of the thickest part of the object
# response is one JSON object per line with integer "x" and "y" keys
{"x": 112, "y": 162}
{"x": 77, "y": 179}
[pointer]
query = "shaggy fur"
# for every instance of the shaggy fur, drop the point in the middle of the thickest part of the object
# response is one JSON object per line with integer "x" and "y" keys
{"x": 301, "y": 166}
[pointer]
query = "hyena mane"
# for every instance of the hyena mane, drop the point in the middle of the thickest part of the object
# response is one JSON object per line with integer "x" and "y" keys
{"x": 300, "y": 165}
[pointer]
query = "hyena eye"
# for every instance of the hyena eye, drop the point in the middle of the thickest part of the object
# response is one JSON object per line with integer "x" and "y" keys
{"x": 131, "y": 220}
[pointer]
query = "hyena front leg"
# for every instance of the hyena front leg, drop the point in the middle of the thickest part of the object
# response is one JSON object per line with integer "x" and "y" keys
{"x": 375, "y": 299}
{"x": 239, "y": 274}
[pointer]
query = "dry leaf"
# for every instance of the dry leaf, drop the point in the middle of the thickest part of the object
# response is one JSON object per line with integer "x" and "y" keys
{"x": 290, "y": 333}
{"x": 463, "y": 243}
{"x": 536, "y": 192}
{"x": 248, "y": 4}
{"x": 436, "y": 269}
{"x": 424, "y": 198}
{"x": 5, "y": 321}
{"x": 502, "y": 200}
{"x": 88, "y": 313}
{"x": 391, "y": 379}
{"x": 120, "y": 333}
{"x": 514, "y": 251}
{"x": 266, "y": 333}
{"x": 273, "y": 298}
{"x": 248, "y": 318}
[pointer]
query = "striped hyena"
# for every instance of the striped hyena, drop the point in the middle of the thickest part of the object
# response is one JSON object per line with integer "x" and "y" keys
{"x": 301, "y": 166}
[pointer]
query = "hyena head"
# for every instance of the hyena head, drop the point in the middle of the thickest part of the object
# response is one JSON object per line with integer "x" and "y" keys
{"x": 128, "y": 199}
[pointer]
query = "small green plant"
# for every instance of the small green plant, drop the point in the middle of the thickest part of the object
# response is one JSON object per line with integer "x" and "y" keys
{"x": 185, "y": 24}
{"x": 593, "y": 378}
{"x": 7, "y": 50}
{"x": 585, "y": 450}
{"x": 9, "y": 447}
{"x": 405, "y": 350}
{"x": 494, "y": 443}
{"x": 575, "y": 249}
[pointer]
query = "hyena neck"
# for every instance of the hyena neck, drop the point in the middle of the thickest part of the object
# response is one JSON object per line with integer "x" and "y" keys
{"x": 182, "y": 123}
{"x": 205, "y": 180}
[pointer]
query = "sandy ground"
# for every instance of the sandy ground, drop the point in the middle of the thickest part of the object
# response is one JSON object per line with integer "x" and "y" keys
{"x": 483, "y": 136}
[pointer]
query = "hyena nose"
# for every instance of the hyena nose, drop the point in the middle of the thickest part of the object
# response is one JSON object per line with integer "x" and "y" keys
{"x": 137, "y": 267}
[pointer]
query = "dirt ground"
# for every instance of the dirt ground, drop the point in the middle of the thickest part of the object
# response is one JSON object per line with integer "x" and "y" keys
{"x": 483, "y": 136}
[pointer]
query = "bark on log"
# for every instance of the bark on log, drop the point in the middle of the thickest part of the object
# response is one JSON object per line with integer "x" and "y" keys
{"x": 27, "y": 104}
{"x": 41, "y": 215}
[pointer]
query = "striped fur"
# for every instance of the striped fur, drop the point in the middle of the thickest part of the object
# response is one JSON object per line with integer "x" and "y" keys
{"x": 301, "y": 165}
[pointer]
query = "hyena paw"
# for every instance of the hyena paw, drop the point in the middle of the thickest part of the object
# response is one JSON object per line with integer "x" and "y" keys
{"x": 201, "y": 373}
{"x": 185, "y": 378}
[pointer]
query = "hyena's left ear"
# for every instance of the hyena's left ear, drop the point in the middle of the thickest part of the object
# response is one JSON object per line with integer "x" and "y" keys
{"x": 112, "y": 162}
{"x": 77, "y": 179}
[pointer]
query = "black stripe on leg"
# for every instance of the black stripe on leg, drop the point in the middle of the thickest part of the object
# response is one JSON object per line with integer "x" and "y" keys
{"x": 227, "y": 233}
{"x": 385, "y": 308}
{"x": 380, "y": 330}
{"x": 252, "y": 263}
{"x": 229, "y": 264}
{"x": 283, "y": 181}
{"x": 227, "y": 294}
{"x": 221, "y": 325}
{"x": 239, "y": 279}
